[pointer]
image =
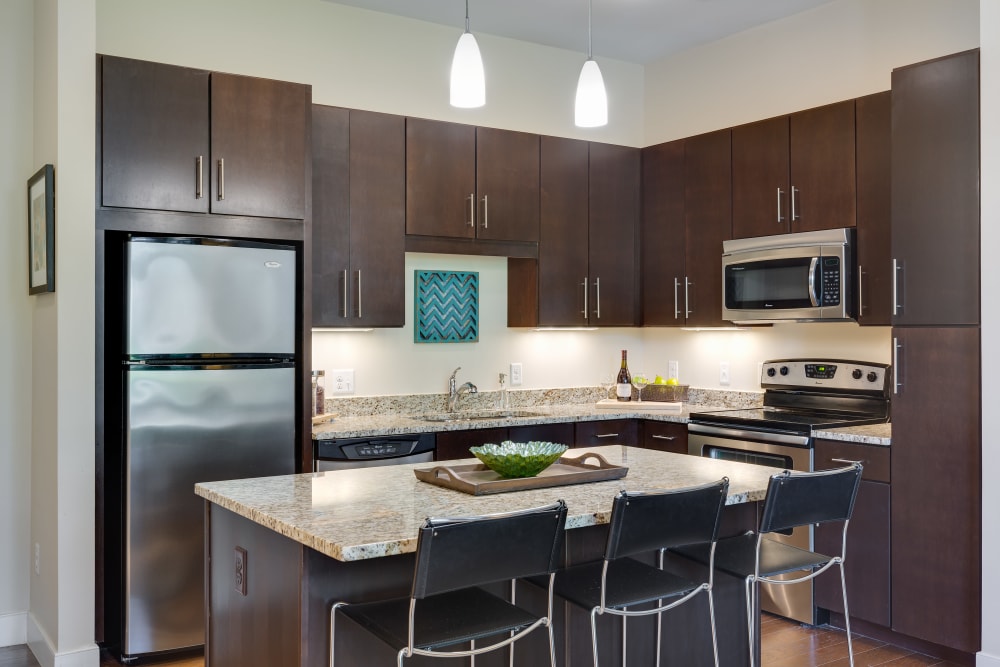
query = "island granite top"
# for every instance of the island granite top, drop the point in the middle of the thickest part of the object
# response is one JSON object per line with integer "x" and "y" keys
{"x": 373, "y": 512}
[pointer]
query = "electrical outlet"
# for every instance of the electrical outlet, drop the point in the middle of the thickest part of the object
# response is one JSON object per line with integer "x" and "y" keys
{"x": 240, "y": 571}
{"x": 341, "y": 381}
{"x": 724, "y": 373}
{"x": 38, "y": 559}
{"x": 673, "y": 370}
{"x": 515, "y": 373}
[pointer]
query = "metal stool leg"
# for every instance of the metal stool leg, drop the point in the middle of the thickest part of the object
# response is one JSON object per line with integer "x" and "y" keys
{"x": 750, "y": 585}
{"x": 593, "y": 633}
{"x": 847, "y": 615}
{"x": 715, "y": 641}
{"x": 624, "y": 639}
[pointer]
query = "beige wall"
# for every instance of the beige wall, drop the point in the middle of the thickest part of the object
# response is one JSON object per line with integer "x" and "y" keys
{"x": 16, "y": 166}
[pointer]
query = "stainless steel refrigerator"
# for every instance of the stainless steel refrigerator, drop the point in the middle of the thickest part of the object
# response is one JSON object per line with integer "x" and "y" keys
{"x": 209, "y": 390}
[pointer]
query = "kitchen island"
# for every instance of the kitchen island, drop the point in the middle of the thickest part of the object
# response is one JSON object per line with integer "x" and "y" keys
{"x": 280, "y": 550}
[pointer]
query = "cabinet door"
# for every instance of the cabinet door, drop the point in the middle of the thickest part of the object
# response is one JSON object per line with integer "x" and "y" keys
{"x": 874, "y": 134}
{"x": 665, "y": 436}
{"x": 561, "y": 433}
{"x": 935, "y": 191}
{"x": 614, "y": 221}
{"x": 331, "y": 228}
{"x": 452, "y": 445}
{"x": 154, "y": 136}
{"x": 823, "y": 194}
{"x": 378, "y": 223}
{"x": 936, "y": 486}
{"x": 440, "y": 178}
{"x": 259, "y": 152}
{"x": 663, "y": 236}
{"x": 760, "y": 179}
{"x": 607, "y": 432}
{"x": 507, "y": 185}
{"x": 708, "y": 221}
{"x": 563, "y": 245}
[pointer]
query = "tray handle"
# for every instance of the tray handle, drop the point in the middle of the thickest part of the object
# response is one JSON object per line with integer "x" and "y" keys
{"x": 442, "y": 472}
{"x": 602, "y": 463}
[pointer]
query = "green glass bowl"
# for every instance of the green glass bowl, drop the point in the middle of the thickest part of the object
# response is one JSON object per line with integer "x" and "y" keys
{"x": 518, "y": 459}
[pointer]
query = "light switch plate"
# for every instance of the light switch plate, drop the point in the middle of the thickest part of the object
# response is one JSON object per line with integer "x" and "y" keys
{"x": 724, "y": 373}
{"x": 341, "y": 381}
{"x": 673, "y": 370}
{"x": 515, "y": 374}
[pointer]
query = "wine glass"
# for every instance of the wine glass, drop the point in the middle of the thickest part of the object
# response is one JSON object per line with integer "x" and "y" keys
{"x": 608, "y": 383}
{"x": 639, "y": 381}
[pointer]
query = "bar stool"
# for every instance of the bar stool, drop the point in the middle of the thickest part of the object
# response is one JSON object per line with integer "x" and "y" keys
{"x": 793, "y": 499}
{"x": 455, "y": 556}
{"x": 642, "y": 523}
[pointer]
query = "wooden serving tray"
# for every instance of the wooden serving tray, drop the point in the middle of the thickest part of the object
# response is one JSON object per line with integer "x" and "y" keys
{"x": 478, "y": 480}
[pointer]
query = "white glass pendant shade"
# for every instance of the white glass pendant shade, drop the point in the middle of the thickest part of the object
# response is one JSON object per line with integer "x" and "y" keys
{"x": 468, "y": 82}
{"x": 591, "y": 97}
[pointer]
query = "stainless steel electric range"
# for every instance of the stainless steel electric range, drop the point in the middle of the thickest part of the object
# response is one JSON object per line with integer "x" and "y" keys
{"x": 800, "y": 396}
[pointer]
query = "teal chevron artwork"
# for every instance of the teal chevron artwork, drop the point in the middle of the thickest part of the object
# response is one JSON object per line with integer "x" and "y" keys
{"x": 446, "y": 307}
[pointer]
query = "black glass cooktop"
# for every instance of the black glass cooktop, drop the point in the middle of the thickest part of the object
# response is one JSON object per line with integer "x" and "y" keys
{"x": 784, "y": 419}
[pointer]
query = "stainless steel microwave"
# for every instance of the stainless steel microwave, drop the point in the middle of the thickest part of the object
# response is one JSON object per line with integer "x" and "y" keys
{"x": 801, "y": 277}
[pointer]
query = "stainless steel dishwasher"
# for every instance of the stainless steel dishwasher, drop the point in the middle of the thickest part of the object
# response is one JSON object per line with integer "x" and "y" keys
{"x": 345, "y": 453}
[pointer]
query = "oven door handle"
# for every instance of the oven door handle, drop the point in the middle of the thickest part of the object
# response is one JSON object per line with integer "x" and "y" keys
{"x": 758, "y": 436}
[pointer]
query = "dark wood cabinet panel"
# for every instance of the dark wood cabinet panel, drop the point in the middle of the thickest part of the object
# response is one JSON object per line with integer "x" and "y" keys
{"x": 259, "y": 152}
{"x": 760, "y": 178}
{"x": 614, "y": 221}
{"x": 561, "y": 433}
{"x": 507, "y": 185}
{"x": 331, "y": 229}
{"x": 663, "y": 234}
{"x": 866, "y": 569}
{"x": 440, "y": 178}
{"x": 935, "y": 191}
{"x": 607, "y": 432}
{"x": 708, "y": 221}
{"x": 155, "y": 130}
{"x": 455, "y": 444}
{"x": 822, "y": 168}
{"x": 874, "y": 155}
{"x": 563, "y": 245}
{"x": 664, "y": 436}
{"x": 836, "y": 454}
{"x": 936, "y": 486}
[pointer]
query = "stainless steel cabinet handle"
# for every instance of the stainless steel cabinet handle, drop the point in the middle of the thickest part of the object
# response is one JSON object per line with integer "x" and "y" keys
{"x": 794, "y": 216}
{"x": 664, "y": 437}
{"x": 359, "y": 294}
{"x": 343, "y": 301}
{"x": 813, "y": 263}
{"x": 896, "y": 384}
{"x": 222, "y": 179}
{"x": 847, "y": 461}
{"x": 472, "y": 210}
{"x": 897, "y": 266}
{"x": 597, "y": 284}
{"x": 781, "y": 218}
{"x": 687, "y": 307}
{"x": 606, "y": 435}
{"x": 586, "y": 285}
{"x": 677, "y": 309}
{"x": 486, "y": 212}
{"x": 861, "y": 292}
{"x": 198, "y": 192}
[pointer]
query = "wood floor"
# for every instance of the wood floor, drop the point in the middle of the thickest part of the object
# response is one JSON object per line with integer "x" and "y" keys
{"x": 784, "y": 644}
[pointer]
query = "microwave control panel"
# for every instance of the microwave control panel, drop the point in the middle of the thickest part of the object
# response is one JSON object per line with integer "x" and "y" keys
{"x": 830, "y": 281}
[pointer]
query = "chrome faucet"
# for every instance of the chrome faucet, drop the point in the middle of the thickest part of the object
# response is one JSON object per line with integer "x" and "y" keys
{"x": 454, "y": 393}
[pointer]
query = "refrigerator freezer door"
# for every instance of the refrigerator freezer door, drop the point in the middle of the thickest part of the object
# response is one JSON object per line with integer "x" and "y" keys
{"x": 189, "y": 297}
{"x": 184, "y": 427}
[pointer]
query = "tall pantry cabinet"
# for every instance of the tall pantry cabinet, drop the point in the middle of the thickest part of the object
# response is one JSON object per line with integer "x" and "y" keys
{"x": 936, "y": 402}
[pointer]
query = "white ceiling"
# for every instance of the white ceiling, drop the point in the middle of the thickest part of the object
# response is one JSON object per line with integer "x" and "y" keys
{"x": 636, "y": 31}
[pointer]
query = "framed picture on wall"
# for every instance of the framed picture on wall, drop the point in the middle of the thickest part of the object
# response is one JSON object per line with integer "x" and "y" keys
{"x": 41, "y": 232}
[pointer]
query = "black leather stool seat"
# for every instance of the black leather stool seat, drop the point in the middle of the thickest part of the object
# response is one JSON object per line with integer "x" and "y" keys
{"x": 441, "y": 620}
{"x": 629, "y": 583}
{"x": 735, "y": 556}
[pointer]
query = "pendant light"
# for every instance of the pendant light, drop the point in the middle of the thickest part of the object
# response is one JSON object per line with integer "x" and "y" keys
{"x": 468, "y": 82}
{"x": 591, "y": 97}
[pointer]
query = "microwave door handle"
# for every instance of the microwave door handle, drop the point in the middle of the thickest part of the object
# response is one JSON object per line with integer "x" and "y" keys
{"x": 813, "y": 263}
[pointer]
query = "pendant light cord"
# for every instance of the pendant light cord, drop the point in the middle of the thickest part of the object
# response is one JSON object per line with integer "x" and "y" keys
{"x": 590, "y": 29}
{"x": 466, "y": 15}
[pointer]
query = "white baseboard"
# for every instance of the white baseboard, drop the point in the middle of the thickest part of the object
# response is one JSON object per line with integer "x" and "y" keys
{"x": 986, "y": 660}
{"x": 13, "y": 629}
{"x": 45, "y": 653}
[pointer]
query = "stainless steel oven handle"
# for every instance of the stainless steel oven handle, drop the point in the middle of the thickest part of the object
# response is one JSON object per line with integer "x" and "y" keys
{"x": 758, "y": 436}
{"x": 812, "y": 281}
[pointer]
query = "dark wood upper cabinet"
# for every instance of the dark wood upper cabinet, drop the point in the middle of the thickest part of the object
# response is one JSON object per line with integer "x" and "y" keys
{"x": 358, "y": 218}
{"x": 795, "y": 173}
{"x": 179, "y": 139}
{"x": 874, "y": 135}
{"x": 935, "y": 191}
{"x": 155, "y": 136}
{"x": 614, "y": 222}
{"x": 708, "y": 222}
{"x": 507, "y": 185}
{"x": 663, "y": 235}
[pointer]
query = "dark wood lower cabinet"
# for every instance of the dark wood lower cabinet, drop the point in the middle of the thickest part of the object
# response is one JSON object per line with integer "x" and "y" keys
{"x": 607, "y": 432}
{"x": 664, "y": 436}
{"x": 455, "y": 444}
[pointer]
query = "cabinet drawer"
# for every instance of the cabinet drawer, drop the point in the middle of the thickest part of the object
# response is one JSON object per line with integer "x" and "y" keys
{"x": 607, "y": 432}
{"x": 875, "y": 458}
{"x": 664, "y": 436}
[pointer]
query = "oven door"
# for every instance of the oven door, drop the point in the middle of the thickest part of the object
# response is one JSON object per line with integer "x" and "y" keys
{"x": 782, "y": 452}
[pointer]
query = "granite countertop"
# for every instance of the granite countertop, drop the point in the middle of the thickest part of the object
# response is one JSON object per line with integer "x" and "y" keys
{"x": 373, "y": 512}
{"x": 874, "y": 434}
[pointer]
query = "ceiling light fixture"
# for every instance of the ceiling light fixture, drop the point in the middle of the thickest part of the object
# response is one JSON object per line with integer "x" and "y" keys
{"x": 591, "y": 96}
{"x": 468, "y": 82}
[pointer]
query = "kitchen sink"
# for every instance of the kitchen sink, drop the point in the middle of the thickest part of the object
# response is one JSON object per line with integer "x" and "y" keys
{"x": 476, "y": 415}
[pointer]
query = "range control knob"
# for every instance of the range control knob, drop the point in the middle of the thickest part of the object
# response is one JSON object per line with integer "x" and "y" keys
{"x": 872, "y": 376}
{"x": 784, "y": 370}
{"x": 770, "y": 372}
{"x": 856, "y": 374}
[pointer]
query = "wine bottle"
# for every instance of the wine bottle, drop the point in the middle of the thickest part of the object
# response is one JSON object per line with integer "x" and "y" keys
{"x": 624, "y": 383}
